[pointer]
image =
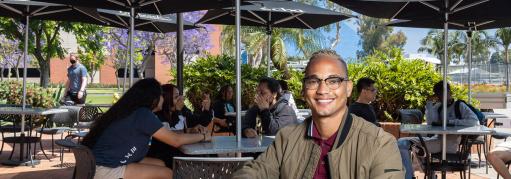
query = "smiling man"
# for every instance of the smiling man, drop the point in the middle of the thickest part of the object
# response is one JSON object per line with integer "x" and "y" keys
{"x": 332, "y": 143}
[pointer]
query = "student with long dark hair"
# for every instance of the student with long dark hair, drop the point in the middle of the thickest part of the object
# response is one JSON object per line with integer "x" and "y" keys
{"x": 119, "y": 139}
{"x": 178, "y": 117}
{"x": 221, "y": 107}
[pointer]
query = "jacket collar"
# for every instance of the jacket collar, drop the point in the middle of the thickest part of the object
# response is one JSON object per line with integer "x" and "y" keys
{"x": 342, "y": 132}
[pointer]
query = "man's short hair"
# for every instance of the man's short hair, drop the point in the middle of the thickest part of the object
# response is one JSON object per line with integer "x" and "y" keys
{"x": 283, "y": 85}
{"x": 363, "y": 83}
{"x": 326, "y": 53}
{"x": 438, "y": 89}
{"x": 272, "y": 83}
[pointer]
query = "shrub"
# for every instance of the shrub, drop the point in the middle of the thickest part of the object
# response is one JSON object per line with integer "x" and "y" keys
{"x": 210, "y": 73}
{"x": 401, "y": 83}
{"x": 36, "y": 96}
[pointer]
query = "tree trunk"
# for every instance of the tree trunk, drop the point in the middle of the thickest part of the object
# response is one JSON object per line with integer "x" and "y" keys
{"x": 2, "y": 74}
{"x": 44, "y": 69}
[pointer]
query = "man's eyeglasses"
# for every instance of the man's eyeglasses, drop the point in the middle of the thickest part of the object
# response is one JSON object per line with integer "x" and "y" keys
{"x": 333, "y": 83}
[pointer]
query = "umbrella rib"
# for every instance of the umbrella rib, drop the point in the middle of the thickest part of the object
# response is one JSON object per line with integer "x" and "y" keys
{"x": 484, "y": 23}
{"x": 288, "y": 18}
{"x": 251, "y": 20}
{"x": 157, "y": 28}
{"x": 113, "y": 21}
{"x": 157, "y": 9}
{"x": 214, "y": 17}
{"x": 129, "y": 3}
{"x": 116, "y": 2}
{"x": 470, "y": 5}
{"x": 91, "y": 16}
{"x": 259, "y": 17}
{"x": 53, "y": 12}
{"x": 456, "y": 4}
{"x": 401, "y": 9}
{"x": 11, "y": 8}
{"x": 149, "y": 2}
{"x": 304, "y": 23}
{"x": 430, "y": 6}
{"x": 143, "y": 23}
{"x": 122, "y": 20}
{"x": 38, "y": 10}
{"x": 457, "y": 24}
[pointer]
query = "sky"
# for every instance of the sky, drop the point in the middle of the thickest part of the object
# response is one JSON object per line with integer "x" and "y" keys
{"x": 349, "y": 44}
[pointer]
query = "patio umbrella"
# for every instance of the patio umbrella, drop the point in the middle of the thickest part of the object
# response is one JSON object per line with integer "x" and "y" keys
{"x": 276, "y": 13}
{"x": 468, "y": 25}
{"x": 441, "y": 10}
{"x": 30, "y": 9}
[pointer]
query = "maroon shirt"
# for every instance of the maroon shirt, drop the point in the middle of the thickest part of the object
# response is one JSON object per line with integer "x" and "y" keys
{"x": 322, "y": 169}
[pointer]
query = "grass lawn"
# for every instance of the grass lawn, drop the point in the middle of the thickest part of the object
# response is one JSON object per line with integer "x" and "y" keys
{"x": 99, "y": 99}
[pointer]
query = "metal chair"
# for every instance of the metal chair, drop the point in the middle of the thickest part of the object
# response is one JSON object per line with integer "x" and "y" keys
{"x": 455, "y": 162}
{"x": 62, "y": 122}
{"x": 86, "y": 116}
{"x": 194, "y": 167}
{"x": 85, "y": 166}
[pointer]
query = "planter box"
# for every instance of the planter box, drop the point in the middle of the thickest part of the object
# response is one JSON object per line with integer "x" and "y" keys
{"x": 494, "y": 100}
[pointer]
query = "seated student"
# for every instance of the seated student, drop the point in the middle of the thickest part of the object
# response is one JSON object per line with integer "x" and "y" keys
{"x": 366, "y": 94}
{"x": 177, "y": 116}
{"x": 222, "y": 106}
{"x": 270, "y": 108}
{"x": 434, "y": 116}
{"x": 119, "y": 139}
{"x": 498, "y": 158}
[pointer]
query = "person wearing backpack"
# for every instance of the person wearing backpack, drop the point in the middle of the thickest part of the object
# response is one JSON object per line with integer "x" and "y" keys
{"x": 458, "y": 113}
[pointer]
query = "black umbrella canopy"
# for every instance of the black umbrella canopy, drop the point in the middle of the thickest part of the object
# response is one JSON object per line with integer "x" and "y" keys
{"x": 428, "y": 9}
{"x": 144, "y": 22}
{"x": 150, "y": 6}
{"x": 49, "y": 11}
{"x": 478, "y": 24}
{"x": 284, "y": 14}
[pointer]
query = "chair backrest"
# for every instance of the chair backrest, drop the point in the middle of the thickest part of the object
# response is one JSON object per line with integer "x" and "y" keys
{"x": 193, "y": 167}
{"x": 85, "y": 166}
{"x": 410, "y": 116}
{"x": 87, "y": 113}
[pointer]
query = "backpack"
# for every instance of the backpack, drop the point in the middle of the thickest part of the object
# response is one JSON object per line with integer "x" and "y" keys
{"x": 480, "y": 116}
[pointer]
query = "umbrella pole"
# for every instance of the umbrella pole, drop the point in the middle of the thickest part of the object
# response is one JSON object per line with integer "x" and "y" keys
{"x": 238, "y": 77}
{"x": 469, "y": 44}
{"x": 125, "y": 68}
{"x": 444, "y": 100}
{"x": 180, "y": 53}
{"x": 268, "y": 33}
{"x": 23, "y": 102}
{"x": 132, "y": 49}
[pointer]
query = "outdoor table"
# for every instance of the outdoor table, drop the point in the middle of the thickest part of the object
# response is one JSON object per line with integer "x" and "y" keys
{"x": 450, "y": 130}
{"x": 493, "y": 117}
{"x": 228, "y": 144}
{"x": 21, "y": 138}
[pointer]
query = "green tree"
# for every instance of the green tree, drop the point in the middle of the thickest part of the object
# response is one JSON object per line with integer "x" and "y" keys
{"x": 433, "y": 44}
{"x": 503, "y": 37}
{"x": 375, "y": 36}
{"x": 91, "y": 50}
{"x": 44, "y": 41}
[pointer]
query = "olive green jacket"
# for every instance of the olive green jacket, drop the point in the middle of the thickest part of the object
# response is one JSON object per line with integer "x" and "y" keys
{"x": 361, "y": 150}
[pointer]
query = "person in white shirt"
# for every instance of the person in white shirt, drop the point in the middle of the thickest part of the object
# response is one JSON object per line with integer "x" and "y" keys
{"x": 288, "y": 95}
{"x": 434, "y": 117}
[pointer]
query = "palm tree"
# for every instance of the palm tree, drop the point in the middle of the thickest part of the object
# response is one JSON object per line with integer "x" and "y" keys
{"x": 433, "y": 44}
{"x": 503, "y": 37}
{"x": 255, "y": 40}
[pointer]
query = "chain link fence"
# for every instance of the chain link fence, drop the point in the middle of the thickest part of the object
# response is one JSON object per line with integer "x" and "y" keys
{"x": 481, "y": 74}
